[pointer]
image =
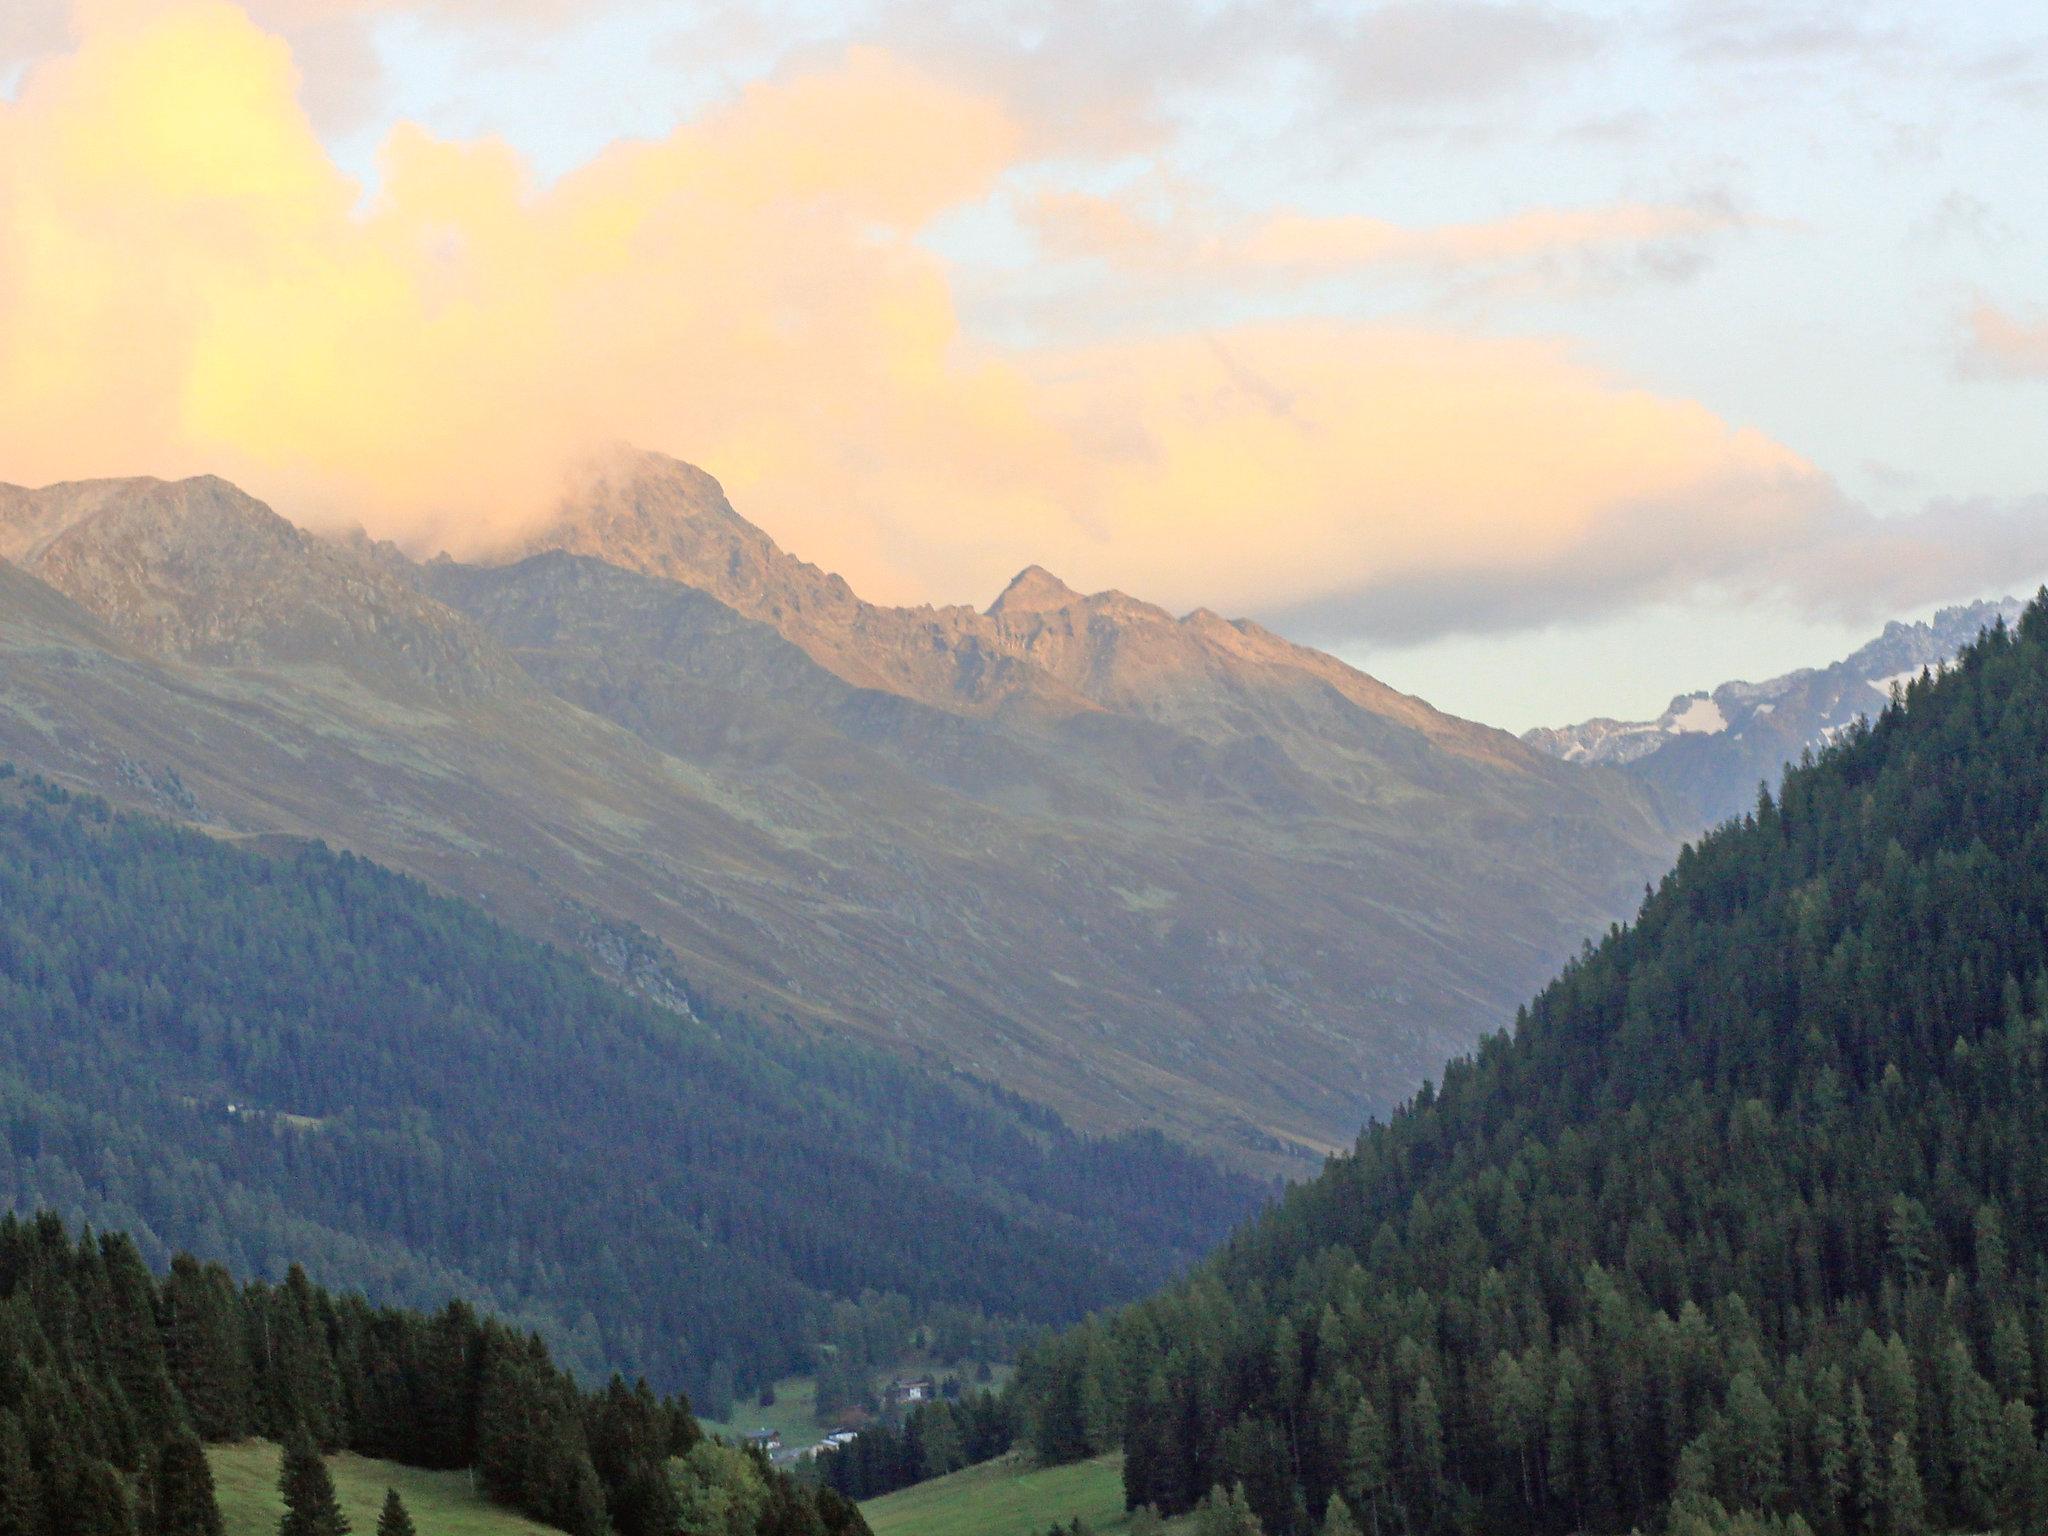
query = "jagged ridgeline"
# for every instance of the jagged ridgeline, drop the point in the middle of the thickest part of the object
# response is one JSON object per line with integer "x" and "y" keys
{"x": 1750, "y": 1209}
{"x": 297, "y": 1056}
{"x": 109, "y": 1378}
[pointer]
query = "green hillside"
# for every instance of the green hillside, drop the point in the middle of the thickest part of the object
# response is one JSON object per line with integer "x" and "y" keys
{"x": 1012, "y": 1496}
{"x": 305, "y": 1058}
{"x": 1749, "y": 1212}
{"x": 440, "y": 1503}
{"x": 113, "y": 1381}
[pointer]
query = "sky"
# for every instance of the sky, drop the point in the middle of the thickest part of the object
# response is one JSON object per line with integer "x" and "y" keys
{"x": 1544, "y": 359}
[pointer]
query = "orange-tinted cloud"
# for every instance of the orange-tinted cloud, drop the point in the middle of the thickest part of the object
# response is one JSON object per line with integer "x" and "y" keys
{"x": 188, "y": 283}
{"x": 1290, "y": 244}
{"x": 2002, "y": 345}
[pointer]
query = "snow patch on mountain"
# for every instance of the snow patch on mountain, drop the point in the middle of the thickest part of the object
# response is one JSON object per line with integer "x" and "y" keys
{"x": 1700, "y": 717}
{"x": 1885, "y": 685}
{"x": 1710, "y": 749}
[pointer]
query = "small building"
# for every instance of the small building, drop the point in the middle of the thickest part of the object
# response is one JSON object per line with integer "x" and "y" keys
{"x": 765, "y": 1439}
{"x": 909, "y": 1391}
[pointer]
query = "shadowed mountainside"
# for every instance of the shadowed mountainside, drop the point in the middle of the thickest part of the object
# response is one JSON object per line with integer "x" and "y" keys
{"x": 1147, "y": 869}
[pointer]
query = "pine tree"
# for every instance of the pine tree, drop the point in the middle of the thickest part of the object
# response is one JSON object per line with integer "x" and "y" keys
{"x": 96, "y": 1503}
{"x": 1338, "y": 1519}
{"x": 17, "y": 1480}
{"x": 2023, "y": 1472}
{"x": 1903, "y": 1507}
{"x": 1753, "y": 1448}
{"x": 310, "y": 1507}
{"x": 185, "y": 1505}
{"x": 1226, "y": 1513}
{"x": 575, "y": 1497}
{"x": 204, "y": 1348}
{"x": 1866, "y": 1467}
{"x": 1365, "y": 1459}
{"x": 394, "y": 1521}
{"x": 1426, "y": 1438}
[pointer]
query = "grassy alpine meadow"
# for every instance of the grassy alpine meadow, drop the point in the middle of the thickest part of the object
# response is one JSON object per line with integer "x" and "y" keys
{"x": 794, "y": 1415}
{"x": 440, "y": 1503}
{"x": 1011, "y": 1496}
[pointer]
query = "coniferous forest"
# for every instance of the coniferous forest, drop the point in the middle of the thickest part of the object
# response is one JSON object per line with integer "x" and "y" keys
{"x": 303, "y": 1058}
{"x": 1746, "y": 1221}
{"x": 110, "y": 1379}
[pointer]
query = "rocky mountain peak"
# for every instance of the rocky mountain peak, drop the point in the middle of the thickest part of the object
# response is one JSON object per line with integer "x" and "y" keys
{"x": 1041, "y": 647}
{"x": 659, "y": 516}
{"x": 1033, "y": 590}
{"x": 199, "y": 570}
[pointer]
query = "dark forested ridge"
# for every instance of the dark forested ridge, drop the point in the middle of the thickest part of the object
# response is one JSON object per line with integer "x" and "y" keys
{"x": 1748, "y": 1213}
{"x": 110, "y": 1378}
{"x": 305, "y": 1058}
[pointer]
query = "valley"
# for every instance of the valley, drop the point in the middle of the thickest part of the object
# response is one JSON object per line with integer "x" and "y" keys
{"x": 873, "y": 768}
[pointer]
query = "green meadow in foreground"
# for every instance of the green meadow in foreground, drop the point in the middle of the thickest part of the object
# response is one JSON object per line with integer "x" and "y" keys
{"x": 1012, "y": 1496}
{"x": 441, "y": 1503}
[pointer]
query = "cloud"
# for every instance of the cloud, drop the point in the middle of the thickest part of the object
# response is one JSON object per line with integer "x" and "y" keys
{"x": 30, "y": 28}
{"x": 1795, "y": 543}
{"x": 1426, "y": 51}
{"x": 188, "y": 283}
{"x": 1816, "y": 33}
{"x": 1292, "y": 246}
{"x": 2001, "y": 345}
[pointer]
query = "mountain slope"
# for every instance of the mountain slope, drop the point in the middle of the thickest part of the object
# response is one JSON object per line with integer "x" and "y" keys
{"x": 1751, "y": 1210}
{"x": 198, "y": 571}
{"x": 300, "y": 1057}
{"x": 1417, "y": 862}
{"x": 1148, "y": 870}
{"x": 1706, "y": 754}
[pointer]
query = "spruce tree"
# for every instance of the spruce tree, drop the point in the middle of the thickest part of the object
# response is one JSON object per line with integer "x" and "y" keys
{"x": 1226, "y": 1513}
{"x": 185, "y": 1505}
{"x": 1365, "y": 1459}
{"x": 2023, "y": 1472}
{"x": 1866, "y": 1467}
{"x": 204, "y": 1348}
{"x": 310, "y": 1507}
{"x": 95, "y": 1503}
{"x": 1904, "y": 1503}
{"x": 17, "y": 1480}
{"x": 1338, "y": 1519}
{"x": 394, "y": 1521}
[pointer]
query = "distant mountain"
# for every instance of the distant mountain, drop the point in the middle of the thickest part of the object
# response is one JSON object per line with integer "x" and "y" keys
{"x": 1745, "y": 1220}
{"x": 1146, "y": 869}
{"x": 1707, "y": 753}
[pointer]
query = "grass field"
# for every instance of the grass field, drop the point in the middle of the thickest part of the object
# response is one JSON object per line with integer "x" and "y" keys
{"x": 1008, "y": 1497}
{"x": 441, "y": 1503}
{"x": 795, "y": 1414}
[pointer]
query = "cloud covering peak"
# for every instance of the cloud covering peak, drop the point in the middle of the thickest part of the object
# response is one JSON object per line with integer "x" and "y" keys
{"x": 189, "y": 282}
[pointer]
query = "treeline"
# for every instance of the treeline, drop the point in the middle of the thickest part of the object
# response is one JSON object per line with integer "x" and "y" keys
{"x": 110, "y": 1378}
{"x": 305, "y": 1058}
{"x": 933, "y": 1439}
{"x": 1746, "y": 1224}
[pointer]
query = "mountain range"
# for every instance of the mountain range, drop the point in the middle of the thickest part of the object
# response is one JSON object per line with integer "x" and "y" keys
{"x": 1705, "y": 755}
{"x": 1144, "y": 868}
